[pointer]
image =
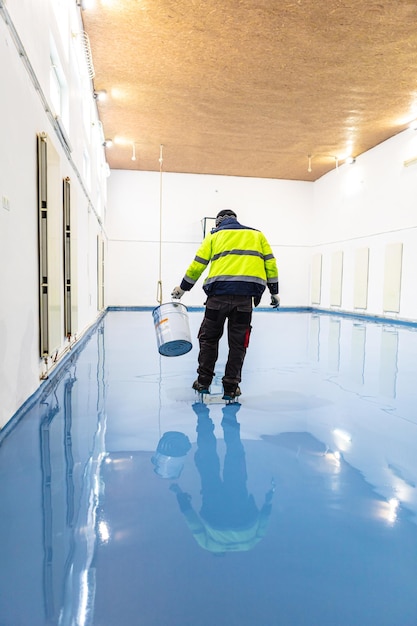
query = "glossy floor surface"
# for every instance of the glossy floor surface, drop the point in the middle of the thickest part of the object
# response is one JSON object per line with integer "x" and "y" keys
{"x": 126, "y": 501}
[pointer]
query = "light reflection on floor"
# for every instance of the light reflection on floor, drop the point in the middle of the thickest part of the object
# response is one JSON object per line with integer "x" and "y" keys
{"x": 125, "y": 500}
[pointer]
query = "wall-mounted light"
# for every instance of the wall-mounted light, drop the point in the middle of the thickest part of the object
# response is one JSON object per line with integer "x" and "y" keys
{"x": 107, "y": 143}
{"x": 412, "y": 161}
{"x": 350, "y": 160}
{"x": 337, "y": 160}
{"x": 100, "y": 95}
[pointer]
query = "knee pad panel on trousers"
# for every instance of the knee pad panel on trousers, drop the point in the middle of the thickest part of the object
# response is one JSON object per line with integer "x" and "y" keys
{"x": 243, "y": 317}
{"x": 212, "y": 314}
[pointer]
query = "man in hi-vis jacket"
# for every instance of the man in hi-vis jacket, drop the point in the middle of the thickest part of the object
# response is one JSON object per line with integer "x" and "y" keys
{"x": 242, "y": 265}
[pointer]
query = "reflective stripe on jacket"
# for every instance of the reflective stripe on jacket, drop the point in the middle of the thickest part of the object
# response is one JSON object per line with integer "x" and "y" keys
{"x": 241, "y": 262}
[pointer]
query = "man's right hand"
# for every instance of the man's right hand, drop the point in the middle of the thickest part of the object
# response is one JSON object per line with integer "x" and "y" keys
{"x": 177, "y": 293}
{"x": 275, "y": 300}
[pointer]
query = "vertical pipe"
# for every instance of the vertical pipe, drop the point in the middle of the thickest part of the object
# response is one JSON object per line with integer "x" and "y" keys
{"x": 159, "y": 289}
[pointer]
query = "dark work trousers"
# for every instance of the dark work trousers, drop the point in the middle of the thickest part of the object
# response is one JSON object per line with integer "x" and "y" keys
{"x": 238, "y": 312}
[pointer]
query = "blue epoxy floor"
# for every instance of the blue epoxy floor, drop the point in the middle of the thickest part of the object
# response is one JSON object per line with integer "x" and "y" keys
{"x": 296, "y": 507}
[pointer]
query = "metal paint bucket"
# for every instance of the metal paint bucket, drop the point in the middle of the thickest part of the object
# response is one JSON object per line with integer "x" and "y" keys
{"x": 172, "y": 329}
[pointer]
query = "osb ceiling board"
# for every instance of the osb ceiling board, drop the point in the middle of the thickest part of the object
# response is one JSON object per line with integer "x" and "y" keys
{"x": 251, "y": 87}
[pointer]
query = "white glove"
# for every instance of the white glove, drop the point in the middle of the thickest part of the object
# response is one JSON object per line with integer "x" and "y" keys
{"x": 177, "y": 293}
{"x": 275, "y": 300}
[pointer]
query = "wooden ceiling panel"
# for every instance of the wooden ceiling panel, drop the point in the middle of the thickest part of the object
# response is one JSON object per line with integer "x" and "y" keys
{"x": 251, "y": 88}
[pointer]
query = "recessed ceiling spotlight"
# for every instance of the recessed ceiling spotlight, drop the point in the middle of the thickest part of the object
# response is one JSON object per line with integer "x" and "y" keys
{"x": 122, "y": 141}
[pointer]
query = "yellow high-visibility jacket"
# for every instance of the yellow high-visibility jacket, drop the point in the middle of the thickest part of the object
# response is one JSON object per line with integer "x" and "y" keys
{"x": 222, "y": 540}
{"x": 241, "y": 262}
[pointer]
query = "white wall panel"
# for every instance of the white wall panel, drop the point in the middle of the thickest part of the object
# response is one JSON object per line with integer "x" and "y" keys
{"x": 392, "y": 277}
{"x": 360, "y": 293}
{"x": 316, "y": 278}
{"x": 336, "y": 279}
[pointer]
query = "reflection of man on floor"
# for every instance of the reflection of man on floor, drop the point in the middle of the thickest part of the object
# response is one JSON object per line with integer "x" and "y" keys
{"x": 229, "y": 519}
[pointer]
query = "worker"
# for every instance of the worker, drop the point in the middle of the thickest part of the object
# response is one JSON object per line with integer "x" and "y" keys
{"x": 242, "y": 265}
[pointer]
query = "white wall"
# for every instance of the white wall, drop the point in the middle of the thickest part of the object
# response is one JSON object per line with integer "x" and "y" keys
{"x": 370, "y": 204}
{"x": 281, "y": 209}
{"x": 22, "y": 117}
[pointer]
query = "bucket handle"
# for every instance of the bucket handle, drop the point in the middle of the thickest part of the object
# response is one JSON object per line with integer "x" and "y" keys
{"x": 159, "y": 292}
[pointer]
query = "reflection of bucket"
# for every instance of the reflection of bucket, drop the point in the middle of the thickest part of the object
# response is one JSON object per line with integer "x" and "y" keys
{"x": 172, "y": 329}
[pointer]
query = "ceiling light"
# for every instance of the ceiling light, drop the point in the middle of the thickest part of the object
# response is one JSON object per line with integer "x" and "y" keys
{"x": 350, "y": 160}
{"x": 118, "y": 94}
{"x": 122, "y": 141}
{"x": 108, "y": 143}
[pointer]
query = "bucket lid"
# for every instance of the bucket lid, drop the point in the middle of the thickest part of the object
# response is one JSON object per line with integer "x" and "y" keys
{"x": 174, "y": 303}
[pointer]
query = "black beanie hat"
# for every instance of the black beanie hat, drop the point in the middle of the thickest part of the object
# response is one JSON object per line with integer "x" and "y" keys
{"x": 221, "y": 215}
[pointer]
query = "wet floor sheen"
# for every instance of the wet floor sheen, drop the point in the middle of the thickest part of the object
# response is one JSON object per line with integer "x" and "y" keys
{"x": 127, "y": 501}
